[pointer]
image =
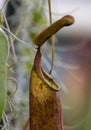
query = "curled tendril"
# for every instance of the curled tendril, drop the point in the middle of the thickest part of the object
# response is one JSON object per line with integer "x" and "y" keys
{"x": 9, "y": 100}
{"x": 12, "y": 107}
{"x": 15, "y": 81}
{"x": 9, "y": 68}
{"x": 5, "y": 122}
{"x": 42, "y": 74}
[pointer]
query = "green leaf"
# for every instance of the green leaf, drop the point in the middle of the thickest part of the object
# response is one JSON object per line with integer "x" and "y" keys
{"x": 3, "y": 71}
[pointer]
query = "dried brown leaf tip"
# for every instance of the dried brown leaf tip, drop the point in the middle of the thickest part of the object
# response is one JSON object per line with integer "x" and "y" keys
{"x": 52, "y": 29}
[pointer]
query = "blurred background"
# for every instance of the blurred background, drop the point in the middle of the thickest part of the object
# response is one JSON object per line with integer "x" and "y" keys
{"x": 72, "y": 65}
